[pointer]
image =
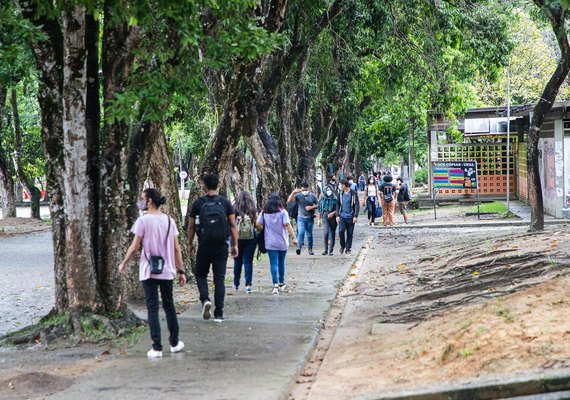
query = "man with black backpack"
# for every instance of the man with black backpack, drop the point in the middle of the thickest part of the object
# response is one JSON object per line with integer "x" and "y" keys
{"x": 307, "y": 203}
{"x": 347, "y": 210}
{"x": 213, "y": 218}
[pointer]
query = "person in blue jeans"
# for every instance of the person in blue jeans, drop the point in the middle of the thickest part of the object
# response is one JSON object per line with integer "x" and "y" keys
{"x": 246, "y": 214}
{"x": 307, "y": 203}
{"x": 275, "y": 223}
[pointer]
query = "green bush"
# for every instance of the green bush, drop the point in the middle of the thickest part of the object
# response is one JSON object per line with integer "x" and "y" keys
{"x": 421, "y": 176}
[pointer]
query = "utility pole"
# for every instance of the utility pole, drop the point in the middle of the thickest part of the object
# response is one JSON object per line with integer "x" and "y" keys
{"x": 508, "y": 136}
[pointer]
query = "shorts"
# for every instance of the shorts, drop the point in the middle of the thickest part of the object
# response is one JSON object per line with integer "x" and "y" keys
{"x": 403, "y": 207}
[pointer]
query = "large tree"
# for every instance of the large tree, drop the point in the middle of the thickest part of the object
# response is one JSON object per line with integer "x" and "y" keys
{"x": 555, "y": 11}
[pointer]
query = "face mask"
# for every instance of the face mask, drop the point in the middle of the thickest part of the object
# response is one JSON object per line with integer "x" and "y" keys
{"x": 371, "y": 181}
{"x": 141, "y": 205}
{"x": 305, "y": 192}
{"x": 329, "y": 192}
{"x": 351, "y": 181}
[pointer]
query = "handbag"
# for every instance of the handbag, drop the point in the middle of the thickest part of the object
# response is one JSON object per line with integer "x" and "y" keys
{"x": 261, "y": 238}
{"x": 157, "y": 262}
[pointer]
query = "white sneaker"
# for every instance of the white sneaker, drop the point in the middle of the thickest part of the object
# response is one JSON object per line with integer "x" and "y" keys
{"x": 275, "y": 289}
{"x": 281, "y": 287}
{"x": 206, "y": 307}
{"x": 248, "y": 290}
{"x": 178, "y": 348}
{"x": 152, "y": 353}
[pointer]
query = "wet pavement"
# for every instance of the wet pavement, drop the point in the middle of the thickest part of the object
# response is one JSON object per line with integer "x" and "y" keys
{"x": 26, "y": 274}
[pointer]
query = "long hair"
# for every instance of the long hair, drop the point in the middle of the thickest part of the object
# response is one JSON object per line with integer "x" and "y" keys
{"x": 273, "y": 204}
{"x": 245, "y": 205}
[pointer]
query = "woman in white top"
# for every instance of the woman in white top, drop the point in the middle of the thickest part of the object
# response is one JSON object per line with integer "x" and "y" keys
{"x": 370, "y": 199}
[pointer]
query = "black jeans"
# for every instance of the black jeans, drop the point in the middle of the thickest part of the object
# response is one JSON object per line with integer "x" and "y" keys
{"x": 151, "y": 293}
{"x": 217, "y": 257}
{"x": 345, "y": 226}
{"x": 371, "y": 207}
{"x": 329, "y": 231}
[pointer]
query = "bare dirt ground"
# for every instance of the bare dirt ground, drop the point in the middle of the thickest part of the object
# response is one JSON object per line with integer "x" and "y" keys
{"x": 428, "y": 307}
{"x": 18, "y": 226}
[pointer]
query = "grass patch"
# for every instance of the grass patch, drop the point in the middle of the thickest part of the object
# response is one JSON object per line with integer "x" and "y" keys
{"x": 496, "y": 206}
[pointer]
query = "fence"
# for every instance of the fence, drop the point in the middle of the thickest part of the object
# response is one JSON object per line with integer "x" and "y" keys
{"x": 491, "y": 165}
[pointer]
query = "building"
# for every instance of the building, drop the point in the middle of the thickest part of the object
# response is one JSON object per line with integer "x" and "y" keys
{"x": 502, "y": 166}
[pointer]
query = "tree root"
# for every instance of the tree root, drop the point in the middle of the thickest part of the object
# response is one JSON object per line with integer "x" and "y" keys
{"x": 75, "y": 327}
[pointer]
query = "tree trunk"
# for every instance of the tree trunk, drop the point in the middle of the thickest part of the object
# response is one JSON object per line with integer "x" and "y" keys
{"x": 6, "y": 174}
{"x": 48, "y": 55}
{"x": 27, "y": 182}
{"x": 78, "y": 187}
{"x": 120, "y": 172}
{"x": 556, "y": 15}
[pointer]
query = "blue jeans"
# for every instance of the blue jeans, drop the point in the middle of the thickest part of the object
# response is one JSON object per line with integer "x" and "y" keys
{"x": 305, "y": 225}
{"x": 246, "y": 249}
{"x": 277, "y": 264}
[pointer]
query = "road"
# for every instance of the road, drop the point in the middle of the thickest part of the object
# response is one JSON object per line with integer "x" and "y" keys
{"x": 26, "y": 274}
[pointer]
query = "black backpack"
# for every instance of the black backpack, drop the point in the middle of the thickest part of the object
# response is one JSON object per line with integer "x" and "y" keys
{"x": 214, "y": 227}
{"x": 293, "y": 209}
{"x": 388, "y": 191}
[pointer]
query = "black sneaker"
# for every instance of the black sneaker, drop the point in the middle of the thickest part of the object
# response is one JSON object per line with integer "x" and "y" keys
{"x": 311, "y": 252}
{"x": 324, "y": 253}
{"x": 206, "y": 307}
{"x": 341, "y": 250}
{"x": 331, "y": 253}
{"x": 298, "y": 251}
{"x": 347, "y": 252}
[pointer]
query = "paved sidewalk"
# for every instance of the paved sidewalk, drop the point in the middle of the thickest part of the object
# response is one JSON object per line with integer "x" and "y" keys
{"x": 255, "y": 354}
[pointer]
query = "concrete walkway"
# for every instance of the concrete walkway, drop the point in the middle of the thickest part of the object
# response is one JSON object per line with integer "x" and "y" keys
{"x": 255, "y": 353}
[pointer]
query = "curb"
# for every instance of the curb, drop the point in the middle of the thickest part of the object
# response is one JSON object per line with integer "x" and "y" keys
{"x": 471, "y": 224}
{"x": 495, "y": 388}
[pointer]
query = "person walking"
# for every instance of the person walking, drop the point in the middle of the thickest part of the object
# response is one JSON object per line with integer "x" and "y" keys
{"x": 307, "y": 203}
{"x": 388, "y": 192}
{"x": 327, "y": 218}
{"x": 347, "y": 211}
{"x": 334, "y": 184}
{"x": 275, "y": 223}
{"x": 246, "y": 214}
{"x": 353, "y": 185}
{"x": 370, "y": 199}
{"x": 160, "y": 263}
{"x": 361, "y": 182}
{"x": 403, "y": 198}
{"x": 213, "y": 218}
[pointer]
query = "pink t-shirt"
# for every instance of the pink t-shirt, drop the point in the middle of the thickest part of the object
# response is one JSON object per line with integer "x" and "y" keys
{"x": 152, "y": 229}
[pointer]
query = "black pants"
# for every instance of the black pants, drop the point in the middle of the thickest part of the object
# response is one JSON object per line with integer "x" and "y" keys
{"x": 217, "y": 257}
{"x": 329, "y": 231}
{"x": 345, "y": 232}
{"x": 151, "y": 287}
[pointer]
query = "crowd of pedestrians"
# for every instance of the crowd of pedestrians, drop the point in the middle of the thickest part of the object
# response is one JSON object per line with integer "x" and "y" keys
{"x": 224, "y": 229}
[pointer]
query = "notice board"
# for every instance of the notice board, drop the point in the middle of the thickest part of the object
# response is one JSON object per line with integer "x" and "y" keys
{"x": 454, "y": 174}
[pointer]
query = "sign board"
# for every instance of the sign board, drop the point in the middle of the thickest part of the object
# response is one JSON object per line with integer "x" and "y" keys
{"x": 455, "y": 174}
{"x": 183, "y": 175}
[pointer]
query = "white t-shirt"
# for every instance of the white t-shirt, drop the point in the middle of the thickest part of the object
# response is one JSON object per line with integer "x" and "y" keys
{"x": 371, "y": 190}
